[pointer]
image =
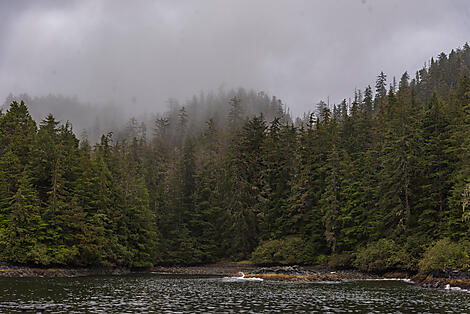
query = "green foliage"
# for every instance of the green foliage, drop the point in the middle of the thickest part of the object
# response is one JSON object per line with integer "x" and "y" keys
{"x": 21, "y": 231}
{"x": 383, "y": 255}
{"x": 341, "y": 261}
{"x": 444, "y": 255}
{"x": 466, "y": 202}
{"x": 243, "y": 185}
{"x": 283, "y": 251}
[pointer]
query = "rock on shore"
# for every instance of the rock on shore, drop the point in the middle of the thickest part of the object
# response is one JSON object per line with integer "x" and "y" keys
{"x": 307, "y": 274}
{"x": 440, "y": 279}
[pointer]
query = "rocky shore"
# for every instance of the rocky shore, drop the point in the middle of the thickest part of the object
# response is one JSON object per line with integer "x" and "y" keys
{"x": 441, "y": 279}
{"x": 319, "y": 274}
{"x": 284, "y": 273}
{"x": 307, "y": 274}
{"x": 437, "y": 279}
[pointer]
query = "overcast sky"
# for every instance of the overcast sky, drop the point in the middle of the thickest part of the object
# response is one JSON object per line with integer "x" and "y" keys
{"x": 148, "y": 51}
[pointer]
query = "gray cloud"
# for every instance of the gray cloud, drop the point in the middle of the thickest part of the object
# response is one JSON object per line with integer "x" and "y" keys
{"x": 139, "y": 53}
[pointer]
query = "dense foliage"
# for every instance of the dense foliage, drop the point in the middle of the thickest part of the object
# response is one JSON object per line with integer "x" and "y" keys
{"x": 373, "y": 182}
{"x": 445, "y": 255}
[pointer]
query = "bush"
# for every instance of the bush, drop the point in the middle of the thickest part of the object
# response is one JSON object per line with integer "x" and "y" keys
{"x": 313, "y": 252}
{"x": 383, "y": 255}
{"x": 282, "y": 251}
{"x": 445, "y": 255}
{"x": 341, "y": 261}
{"x": 415, "y": 246}
{"x": 319, "y": 260}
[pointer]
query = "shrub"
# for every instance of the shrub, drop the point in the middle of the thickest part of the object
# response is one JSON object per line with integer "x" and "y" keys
{"x": 282, "y": 251}
{"x": 341, "y": 261}
{"x": 415, "y": 246}
{"x": 321, "y": 259}
{"x": 443, "y": 255}
{"x": 381, "y": 256}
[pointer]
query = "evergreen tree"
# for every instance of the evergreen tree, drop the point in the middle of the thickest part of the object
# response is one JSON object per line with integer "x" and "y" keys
{"x": 460, "y": 148}
{"x": 380, "y": 92}
{"x": 236, "y": 111}
{"x": 436, "y": 172}
{"x": 277, "y": 172}
{"x": 368, "y": 101}
{"x": 244, "y": 185}
{"x": 20, "y": 234}
{"x": 305, "y": 217}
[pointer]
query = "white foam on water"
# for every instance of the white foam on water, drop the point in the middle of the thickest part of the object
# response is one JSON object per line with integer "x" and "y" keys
{"x": 449, "y": 287}
{"x": 241, "y": 278}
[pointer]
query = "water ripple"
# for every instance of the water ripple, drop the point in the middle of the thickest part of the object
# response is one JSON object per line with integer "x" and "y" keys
{"x": 181, "y": 294}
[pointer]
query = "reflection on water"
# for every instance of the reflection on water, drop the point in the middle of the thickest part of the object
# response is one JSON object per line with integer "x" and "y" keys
{"x": 157, "y": 293}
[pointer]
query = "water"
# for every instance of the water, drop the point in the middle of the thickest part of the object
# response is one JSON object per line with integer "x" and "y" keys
{"x": 171, "y": 294}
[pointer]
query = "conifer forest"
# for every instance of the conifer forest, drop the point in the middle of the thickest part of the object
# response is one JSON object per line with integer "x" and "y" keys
{"x": 378, "y": 182}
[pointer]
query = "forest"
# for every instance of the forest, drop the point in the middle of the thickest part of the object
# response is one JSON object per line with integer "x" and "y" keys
{"x": 378, "y": 182}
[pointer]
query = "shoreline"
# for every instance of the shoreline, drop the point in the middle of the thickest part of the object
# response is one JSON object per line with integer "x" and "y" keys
{"x": 273, "y": 273}
{"x": 24, "y": 271}
{"x": 430, "y": 281}
{"x": 280, "y": 273}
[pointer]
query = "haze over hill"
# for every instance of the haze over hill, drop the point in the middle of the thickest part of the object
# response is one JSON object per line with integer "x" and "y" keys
{"x": 137, "y": 55}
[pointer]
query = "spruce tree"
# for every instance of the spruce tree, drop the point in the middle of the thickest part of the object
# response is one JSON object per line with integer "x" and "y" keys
{"x": 20, "y": 235}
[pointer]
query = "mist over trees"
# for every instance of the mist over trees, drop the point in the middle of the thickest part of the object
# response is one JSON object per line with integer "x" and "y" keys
{"x": 373, "y": 182}
{"x": 90, "y": 121}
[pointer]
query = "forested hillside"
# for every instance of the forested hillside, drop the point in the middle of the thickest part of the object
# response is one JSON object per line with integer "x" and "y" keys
{"x": 378, "y": 183}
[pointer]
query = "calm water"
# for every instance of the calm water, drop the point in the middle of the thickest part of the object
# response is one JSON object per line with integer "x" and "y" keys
{"x": 169, "y": 294}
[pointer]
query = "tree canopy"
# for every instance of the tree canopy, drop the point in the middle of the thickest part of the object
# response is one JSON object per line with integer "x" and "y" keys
{"x": 379, "y": 178}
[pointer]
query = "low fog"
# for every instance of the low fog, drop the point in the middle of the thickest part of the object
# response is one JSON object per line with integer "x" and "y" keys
{"x": 136, "y": 55}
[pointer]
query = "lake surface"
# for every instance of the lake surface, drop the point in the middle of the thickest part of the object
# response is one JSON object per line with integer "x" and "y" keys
{"x": 173, "y": 293}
